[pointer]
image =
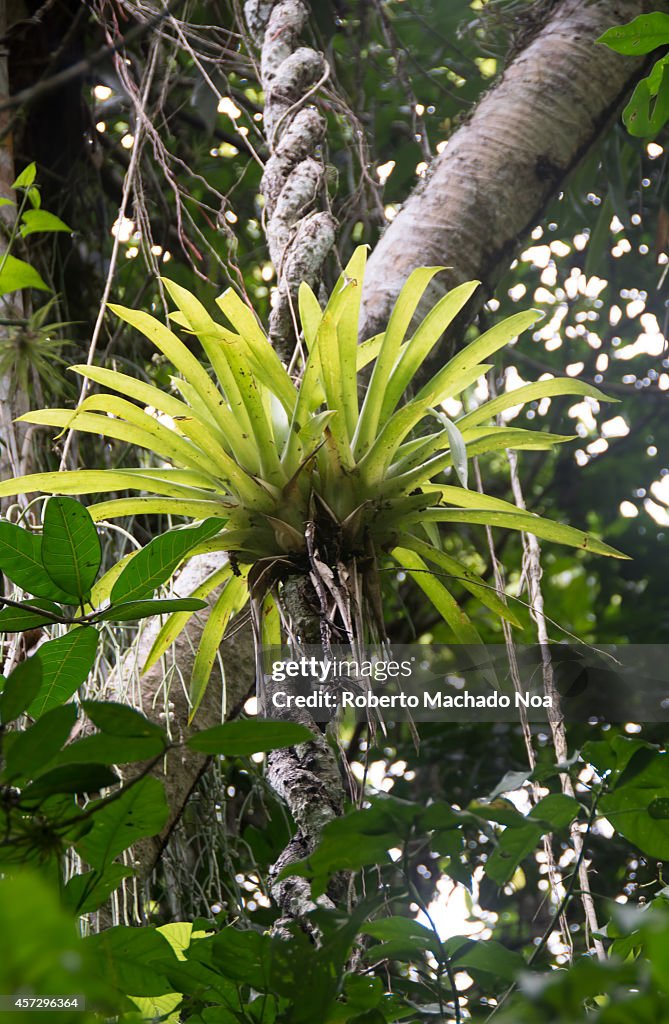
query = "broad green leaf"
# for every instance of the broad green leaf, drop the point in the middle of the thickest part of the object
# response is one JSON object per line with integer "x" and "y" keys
{"x": 248, "y": 736}
{"x": 27, "y": 176}
{"x": 140, "y": 811}
{"x": 39, "y": 220}
{"x": 356, "y": 840}
{"x": 232, "y": 600}
{"x": 28, "y": 751}
{"x": 130, "y": 610}
{"x": 557, "y": 810}
{"x": 20, "y": 689}
{"x": 552, "y": 814}
{"x": 486, "y": 960}
{"x": 637, "y": 809}
{"x": 103, "y": 748}
{"x": 173, "y": 626}
{"x": 135, "y": 959}
{"x": 21, "y": 562}
{"x": 42, "y": 946}
{"x": 411, "y": 935}
{"x": 71, "y": 550}
{"x": 103, "y": 587}
{"x": 639, "y": 36}
{"x": 155, "y": 563}
{"x": 160, "y": 1008}
{"x": 243, "y": 956}
{"x": 439, "y": 596}
{"x": 16, "y": 274}
{"x": 86, "y": 893}
{"x": 648, "y": 109}
{"x": 121, "y": 720}
{"x": 65, "y": 664}
{"x": 71, "y": 778}
{"x": 17, "y": 620}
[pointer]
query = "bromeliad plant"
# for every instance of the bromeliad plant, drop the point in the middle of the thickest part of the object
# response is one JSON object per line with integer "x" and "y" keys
{"x": 324, "y": 475}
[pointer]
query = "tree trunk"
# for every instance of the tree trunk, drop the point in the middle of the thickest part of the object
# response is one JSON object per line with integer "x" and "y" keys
{"x": 489, "y": 187}
{"x": 13, "y": 402}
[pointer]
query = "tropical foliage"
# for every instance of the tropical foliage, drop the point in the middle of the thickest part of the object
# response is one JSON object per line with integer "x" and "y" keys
{"x": 280, "y": 470}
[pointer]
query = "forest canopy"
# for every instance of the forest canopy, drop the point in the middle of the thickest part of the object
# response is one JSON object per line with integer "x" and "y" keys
{"x": 334, "y": 499}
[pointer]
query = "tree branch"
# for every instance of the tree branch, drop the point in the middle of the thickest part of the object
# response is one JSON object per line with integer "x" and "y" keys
{"x": 488, "y": 189}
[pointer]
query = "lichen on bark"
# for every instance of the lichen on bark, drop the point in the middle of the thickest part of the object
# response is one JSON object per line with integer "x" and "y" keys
{"x": 299, "y": 233}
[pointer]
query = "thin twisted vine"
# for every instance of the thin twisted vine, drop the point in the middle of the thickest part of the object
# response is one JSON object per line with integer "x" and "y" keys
{"x": 299, "y": 234}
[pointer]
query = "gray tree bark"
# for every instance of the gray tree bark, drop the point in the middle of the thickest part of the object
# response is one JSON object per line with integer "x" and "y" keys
{"x": 487, "y": 190}
{"x": 299, "y": 234}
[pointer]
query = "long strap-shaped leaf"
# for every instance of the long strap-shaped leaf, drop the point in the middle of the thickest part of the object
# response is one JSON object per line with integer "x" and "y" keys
{"x": 174, "y": 624}
{"x": 213, "y": 349}
{"x": 332, "y": 380}
{"x": 151, "y": 437}
{"x": 468, "y": 579}
{"x": 423, "y": 341}
{"x": 438, "y": 595}
{"x": 99, "y": 481}
{"x": 163, "y": 402}
{"x": 495, "y": 440}
{"x": 267, "y": 366}
{"x": 247, "y": 489}
{"x": 525, "y": 521}
{"x": 139, "y": 390}
{"x": 196, "y": 448}
{"x": 344, "y": 307}
{"x": 180, "y": 357}
{"x": 484, "y": 346}
{"x": 231, "y": 601}
{"x": 530, "y": 393}
{"x": 237, "y": 440}
{"x": 118, "y": 507}
{"x": 400, "y": 318}
{"x": 384, "y": 450}
{"x": 228, "y": 354}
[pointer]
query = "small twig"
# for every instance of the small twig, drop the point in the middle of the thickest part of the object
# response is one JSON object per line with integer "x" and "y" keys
{"x": 47, "y": 85}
